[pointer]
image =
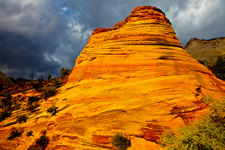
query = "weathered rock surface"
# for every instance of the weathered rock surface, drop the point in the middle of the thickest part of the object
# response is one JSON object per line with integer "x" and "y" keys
{"x": 206, "y": 51}
{"x": 134, "y": 78}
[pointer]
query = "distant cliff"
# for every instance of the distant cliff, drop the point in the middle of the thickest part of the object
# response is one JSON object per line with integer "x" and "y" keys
{"x": 206, "y": 51}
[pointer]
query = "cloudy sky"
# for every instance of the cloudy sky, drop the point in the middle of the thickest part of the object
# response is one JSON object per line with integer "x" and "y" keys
{"x": 43, "y": 36}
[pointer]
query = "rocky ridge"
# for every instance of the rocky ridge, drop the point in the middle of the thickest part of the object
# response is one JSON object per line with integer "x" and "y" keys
{"x": 206, "y": 51}
{"x": 134, "y": 78}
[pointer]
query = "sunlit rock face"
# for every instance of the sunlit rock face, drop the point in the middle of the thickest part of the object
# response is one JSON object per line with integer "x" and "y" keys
{"x": 134, "y": 78}
{"x": 137, "y": 79}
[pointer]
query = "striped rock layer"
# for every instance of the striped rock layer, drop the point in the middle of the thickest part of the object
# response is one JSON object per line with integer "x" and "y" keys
{"x": 134, "y": 78}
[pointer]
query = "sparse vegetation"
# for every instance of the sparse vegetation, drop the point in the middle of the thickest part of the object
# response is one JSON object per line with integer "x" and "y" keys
{"x": 6, "y": 102}
{"x": 219, "y": 67}
{"x": 43, "y": 141}
{"x": 15, "y": 133}
{"x": 52, "y": 110}
{"x": 32, "y": 107}
{"x": 208, "y": 133}
{"x": 4, "y": 115}
{"x": 40, "y": 143}
{"x": 121, "y": 142}
{"x": 32, "y": 103}
{"x": 33, "y": 99}
{"x": 49, "y": 77}
{"x": 16, "y": 105}
{"x": 48, "y": 92}
{"x": 65, "y": 71}
{"x": 1, "y": 87}
{"x": 29, "y": 133}
{"x": 21, "y": 118}
{"x": 37, "y": 86}
{"x": 56, "y": 83}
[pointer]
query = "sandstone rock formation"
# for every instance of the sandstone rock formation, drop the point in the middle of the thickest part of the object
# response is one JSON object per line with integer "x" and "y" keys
{"x": 4, "y": 80}
{"x": 134, "y": 78}
{"x": 206, "y": 51}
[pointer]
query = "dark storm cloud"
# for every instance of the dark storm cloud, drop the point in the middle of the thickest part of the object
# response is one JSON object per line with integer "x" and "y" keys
{"x": 42, "y": 36}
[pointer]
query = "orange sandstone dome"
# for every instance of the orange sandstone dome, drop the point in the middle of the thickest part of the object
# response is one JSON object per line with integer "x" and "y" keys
{"x": 134, "y": 78}
{"x": 137, "y": 79}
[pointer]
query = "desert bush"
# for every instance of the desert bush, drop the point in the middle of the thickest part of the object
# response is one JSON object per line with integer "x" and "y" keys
{"x": 33, "y": 99}
{"x": 208, "y": 133}
{"x": 4, "y": 115}
{"x": 6, "y": 102}
{"x": 48, "y": 92}
{"x": 37, "y": 86}
{"x": 32, "y": 107}
{"x": 15, "y": 133}
{"x": 121, "y": 142}
{"x": 56, "y": 83}
{"x": 16, "y": 105}
{"x": 43, "y": 141}
{"x": 52, "y": 110}
{"x": 40, "y": 143}
{"x": 21, "y": 118}
{"x": 29, "y": 133}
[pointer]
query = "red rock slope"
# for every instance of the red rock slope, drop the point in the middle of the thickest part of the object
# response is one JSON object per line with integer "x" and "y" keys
{"x": 134, "y": 78}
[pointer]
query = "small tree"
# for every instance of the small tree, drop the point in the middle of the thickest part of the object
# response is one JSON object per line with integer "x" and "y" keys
{"x": 49, "y": 77}
{"x": 6, "y": 102}
{"x": 65, "y": 72}
{"x": 41, "y": 78}
{"x": 121, "y": 142}
{"x": 220, "y": 68}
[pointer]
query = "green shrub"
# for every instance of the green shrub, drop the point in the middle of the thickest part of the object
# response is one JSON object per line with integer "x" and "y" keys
{"x": 219, "y": 67}
{"x": 29, "y": 133}
{"x": 21, "y": 118}
{"x": 48, "y": 92}
{"x": 15, "y": 133}
{"x": 208, "y": 133}
{"x": 4, "y": 115}
{"x": 121, "y": 142}
{"x": 52, "y": 110}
